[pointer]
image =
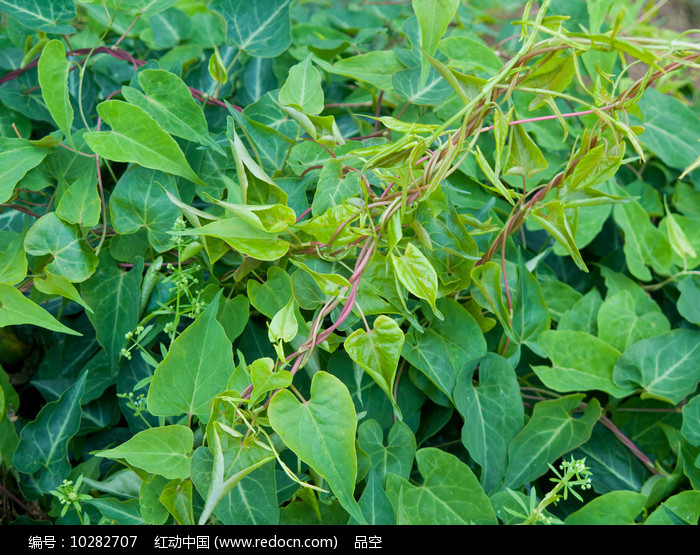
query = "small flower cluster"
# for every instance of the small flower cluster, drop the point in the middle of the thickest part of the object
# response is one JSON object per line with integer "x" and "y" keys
{"x": 68, "y": 496}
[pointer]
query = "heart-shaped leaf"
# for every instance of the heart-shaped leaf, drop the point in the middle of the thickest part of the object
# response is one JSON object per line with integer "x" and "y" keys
{"x": 377, "y": 352}
{"x": 321, "y": 431}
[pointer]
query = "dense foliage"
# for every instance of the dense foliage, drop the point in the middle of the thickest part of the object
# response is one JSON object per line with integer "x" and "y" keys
{"x": 334, "y": 261}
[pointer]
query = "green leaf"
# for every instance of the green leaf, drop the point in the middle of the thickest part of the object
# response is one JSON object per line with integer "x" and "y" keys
{"x": 177, "y": 498}
{"x": 621, "y": 324}
{"x": 417, "y": 275}
{"x": 137, "y": 137}
{"x": 467, "y": 54}
{"x": 147, "y": 7}
{"x": 688, "y": 302}
{"x": 264, "y": 377}
{"x": 488, "y": 278}
{"x": 80, "y": 204}
{"x": 283, "y": 325}
{"x": 17, "y": 157}
{"x": 493, "y": 414}
{"x": 321, "y": 431}
{"x": 684, "y": 507}
{"x": 244, "y": 237}
{"x": 557, "y": 225}
{"x": 552, "y": 431}
{"x": 666, "y": 367}
{"x": 168, "y": 99}
{"x": 523, "y": 158}
{"x": 43, "y": 444}
{"x": 121, "y": 512}
{"x": 72, "y": 258}
{"x": 445, "y": 346}
{"x": 450, "y": 493}
{"x": 260, "y": 29}
{"x": 375, "y": 67}
{"x": 13, "y": 260}
{"x": 197, "y": 367}
{"x": 272, "y": 295}
{"x": 671, "y": 129}
{"x": 377, "y": 352}
{"x": 645, "y": 245}
{"x": 51, "y": 284}
{"x": 139, "y": 200}
{"x": 583, "y": 315}
{"x": 48, "y": 16}
{"x": 246, "y": 487}
{"x": 429, "y": 91}
{"x": 433, "y": 17}
{"x": 580, "y": 362}
{"x": 165, "y": 451}
{"x": 17, "y": 309}
{"x": 53, "y": 79}
{"x": 302, "y": 89}
{"x": 613, "y": 465}
{"x": 530, "y": 312}
{"x": 614, "y": 508}
{"x": 394, "y": 457}
{"x": 691, "y": 421}
{"x": 113, "y": 295}
{"x": 333, "y": 188}
{"x": 374, "y": 503}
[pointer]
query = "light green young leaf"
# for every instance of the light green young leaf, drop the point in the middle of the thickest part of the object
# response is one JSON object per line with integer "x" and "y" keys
{"x": 377, "y": 352}
{"x": 302, "y": 89}
{"x": 375, "y": 67}
{"x": 264, "y": 377}
{"x": 137, "y": 137}
{"x": 488, "y": 278}
{"x": 417, "y": 275}
{"x": 53, "y": 71}
{"x": 80, "y": 204}
{"x": 17, "y": 157}
{"x": 166, "y": 451}
{"x": 13, "y": 259}
{"x": 283, "y": 325}
{"x": 555, "y": 221}
{"x": 243, "y": 237}
{"x": 524, "y": 157}
{"x": 51, "y": 284}
{"x": 321, "y": 431}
